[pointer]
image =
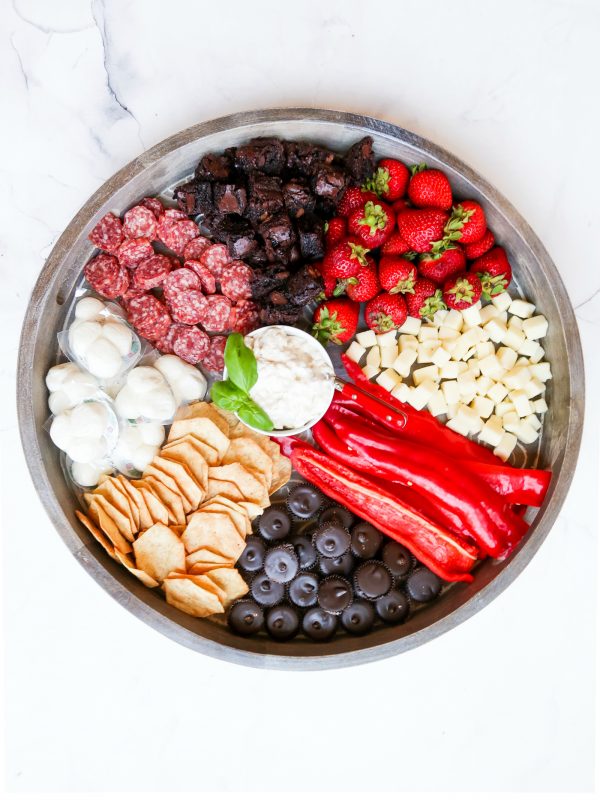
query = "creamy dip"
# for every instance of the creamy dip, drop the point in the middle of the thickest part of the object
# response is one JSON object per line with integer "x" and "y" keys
{"x": 294, "y": 376}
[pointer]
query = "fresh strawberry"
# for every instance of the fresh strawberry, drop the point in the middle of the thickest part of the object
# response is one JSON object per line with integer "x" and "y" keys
{"x": 467, "y": 223}
{"x": 389, "y": 180}
{"x": 329, "y": 280}
{"x": 494, "y": 271}
{"x": 396, "y": 274}
{"x": 354, "y": 197}
{"x": 346, "y": 258}
{"x": 462, "y": 291}
{"x": 425, "y": 300}
{"x": 335, "y": 321}
{"x": 481, "y": 246}
{"x": 386, "y": 311}
{"x": 438, "y": 268}
{"x": 429, "y": 188}
{"x": 399, "y": 205}
{"x": 396, "y": 246}
{"x": 364, "y": 285}
{"x": 335, "y": 230}
{"x": 372, "y": 224}
{"x": 421, "y": 228}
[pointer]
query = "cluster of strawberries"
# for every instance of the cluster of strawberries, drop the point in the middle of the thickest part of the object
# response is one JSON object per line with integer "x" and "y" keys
{"x": 403, "y": 246}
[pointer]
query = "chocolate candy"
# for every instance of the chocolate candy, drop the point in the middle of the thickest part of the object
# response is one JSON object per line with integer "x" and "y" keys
{"x": 281, "y": 563}
{"x": 304, "y": 501}
{"x": 245, "y": 617}
{"x": 318, "y": 624}
{"x": 274, "y": 524}
{"x": 332, "y": 540}
{"x": 337, "y": 514}
{"x": 372, "y": 580}
{"x": 397, "y": 559}
{"x": 265, "y": 591}
{"x": 307, "y": 555}
{"x": 393, "y": 606}
{"x": 303, "y": 589}
{"x": 423, "y": 585}
{"x": 253, "y": 557}
{"x": 342, "y": 565}
{"x": 282, "y": 622}
{"x": 366, "y": 540}
{"x": 335, "y": 594}
{"x": 358, "y": 618}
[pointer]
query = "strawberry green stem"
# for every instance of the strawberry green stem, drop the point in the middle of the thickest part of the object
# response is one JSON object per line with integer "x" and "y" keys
{"x": 375, "y": 217}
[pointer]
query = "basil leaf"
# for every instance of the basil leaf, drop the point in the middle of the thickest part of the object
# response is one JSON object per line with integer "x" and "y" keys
{"x": 253, "y": 414}
{"x": 240, "y": 362}
{"x": 226, "y": 395}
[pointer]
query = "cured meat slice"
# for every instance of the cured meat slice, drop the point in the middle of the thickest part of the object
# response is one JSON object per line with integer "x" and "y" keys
{"x": 132, "y": 251}
{"x": 188, "y": 306}
{"x": 107, "y": 234}
{"x": 190, "y": 344}
{"x": 175, "y": 234}
{"x": 154, "y": 204}
{"x": 207, "y": 279}
{"x": 178, "y": 281}
{"x": 165, "y": 343}
{"x": 139, "y": 222}
{"x": 215, "y": 258}
{"x": 151, "y": 272}
{"x": 235, "y": 281}
{"x": 149, "y": 316}
{"x": 214, "y": 360}
{"x": 216, "y": 314}
{"x": 105, "y": 275}
{"x": 244, "y": 317}
{"x": 196, "y": 247}
{"x": 131, "y": 293}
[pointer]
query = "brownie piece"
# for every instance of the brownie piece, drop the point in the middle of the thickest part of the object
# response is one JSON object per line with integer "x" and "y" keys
{"x": 360, "y": 160}
{"x": 329, "y": 182}
{"x": 288, "y": 314}
{"x": 265, "y": 197}
{"x": 263, "y": 154}
{"x": 279, "y": 237}
{"x": 298, "y": 197}
{"x": 214, "y": 167}
{"x": 304, "y": 286}
{"x": 269, "y": 279}
{"x": 311, "y": 237}
{"x": 194, "y": 197}
{"x": 258, "y": 257}
{"x": 235, "y": 231}
{"x": 305, "y": 158}
{"x": 229, "y": 198}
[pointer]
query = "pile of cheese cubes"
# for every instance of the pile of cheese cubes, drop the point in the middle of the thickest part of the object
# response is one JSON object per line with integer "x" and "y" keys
{"x": 484, "y": 369}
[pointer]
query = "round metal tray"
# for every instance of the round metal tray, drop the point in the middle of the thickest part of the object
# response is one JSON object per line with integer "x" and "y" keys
{"x": 169, "y": 162}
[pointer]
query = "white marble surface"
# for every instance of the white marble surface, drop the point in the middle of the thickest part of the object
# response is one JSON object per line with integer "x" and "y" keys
{"x": 98, "y": 701}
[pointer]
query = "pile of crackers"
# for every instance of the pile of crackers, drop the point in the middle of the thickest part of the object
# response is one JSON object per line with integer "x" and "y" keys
{"x": 183, "y": 524}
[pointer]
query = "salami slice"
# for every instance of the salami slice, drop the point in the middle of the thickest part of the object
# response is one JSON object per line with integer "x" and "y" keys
{"x": 188, "y": 306}
{"x": 214, "y": 360}
{"x": 131, "y": 293}
{"x": 215, "y": 258}
{"x": 196, "y": 247}
{"x": 178, "y": 281}
{"x": 154, "y": 204}
{"x": 191, "y": 345}
{"x": 235, "y": 281}
{"x": 139, "y": 222}
{"x": 151, "y": 272}
{"x": 216, "y": 314}
{"x": 177, "y": 234}
{"x": 107, "y": 234}
{"x": 174, "y": 214}
{"x": 207, "y": 279}
{"x": 165, "y": 343}
{"x": 132, "y": 251}
{"x": 149, "y": 316}
{"x": 244, "y": 317}
{"x": 106, "y": 276}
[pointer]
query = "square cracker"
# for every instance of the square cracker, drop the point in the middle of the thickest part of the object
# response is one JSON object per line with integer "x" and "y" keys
{"x": 186, "y": 595}
{"x": 249, "y": 485}
{"x": 243, "y": 450}
{"x": 207, "y": 556}
{"x": 230, "y": 581}
{"x": 156, "y": 508}
{"x": 185, "y": 453}
{"x": 159, "y": 551}
{"x": 171, "y": 500}
{"x": 129, "y": 564}
{"x": 203, "y": 409}
{"x": 216, "y": 531}
{"x": 137, "y": 500}
{"x": 235, "y": 509}
{"x": 98, "y": 512}
{"x": 223, "y": 489}
{"x": 188, "y": 488}
{"x": 97, "y": 534}
{"x": 204, "y": 429}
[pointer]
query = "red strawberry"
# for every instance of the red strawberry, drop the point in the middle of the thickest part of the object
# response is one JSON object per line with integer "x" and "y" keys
{"x": 429, "y": 188}
{"x": 467, "y": 223}
{"x": 389, "y": 180}
{"x": 335, "y": 321}
{"x": 372, "y": 224}
{"x": 421, "y": 228}
{"x": 395, "y": 246}
{"x": 426, "y": 300}
{"x": 329, "y": 280}
{"x": 462, "y": 291}
{"x": 399, "y": 205}
{"x": 386, "y": 311}
{"x": 345, "y": 259}
{"x": 354, "y": 197}
{"x": 397, "y": 274}
{"x": 364, "y": 285}
{"x": 335, "y": 230}
{"x": 438, "y": 268}
{"x": 494, "y": 272}
{"x": 481, "y": 246}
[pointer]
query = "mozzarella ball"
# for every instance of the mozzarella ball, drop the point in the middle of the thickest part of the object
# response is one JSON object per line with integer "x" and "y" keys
{"x": 158, "y": 405}
{"x": 145, "y": 379}
{"x": 86, "y": 474}
{"x": 171, "y": 367}
{"x": 60, "y": 431}
{"x": 57, "y": 375}
{"x": 103, "y": 359}
{"x": 127, "y": 403}
{"x": 85, "y": 450}
{"x": 119, "y": 335}
{"x": 151, "y": 433}
{"x": 142, "y": 456}
{"x": 59, "y": 402}
{"x": 190, "y": 387}
{"x": 89, "y": 420}
{"x": 89, "y": 308}
{"x": 82, "y": 335}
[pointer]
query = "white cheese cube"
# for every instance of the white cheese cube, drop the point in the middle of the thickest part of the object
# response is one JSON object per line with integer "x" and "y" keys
{"x": 422, "y": 394}
{"x": 469, "y": 416}
{"x": 388, "y": 355}
{"x": 492, "y": 432}
{"x": 513, "y": 338}
{"x": 473, "y": 365}
{"x": 437, "y": 405}
{"x": 466, "y": 384}
{"x": 507, "y": 357}
{"x": 511, "y": 422}
{"x": 503, "y": 408}
{"x": 462, "y": 367}
{"x": 427, "y": 332}
{"x": 535, "y": 327}
{"x": 523, "y": 360}
{"x": 495, "y": 329}
{"x": 355, "y": 352}
{"x": 529, "y": 348}
{"x": 388, "y": 379}
{"x": 472, "y": 316}
{"x": 497, "y": 392}
{"x": 451, "y": 369}
{"x": 537, "y": 356}
{"x": 521, "y": 308}
{"x": 506, "y": 446}
{"x": 484, "y": 384}
{"x": 518, "y": 377}
{"x": 370, "y": 370}
{"x": 521, "y": 402}
{"x": 454, "y": 319}
{"x": 487, "y": 313}
{"x": 374, "y": 357}
{"x": 527, "y": 433}
{"x": 540, "y": 406}
{"x": 516, "y": 323}
{"x": 485, "y": 349}
{"x": 404, "y": 362}
{"x": 425, "y": 373}
{"x": 491, "y": 366}
{"x": 458, "y": 426}
{"x": 451, "y": 391}
{"x": 452, "y": 410}
{"x": 534, "y": 388}
{"x": 469, "y": 354}
{"x": 502, "y": 301}
{"x": 541, "y": 371}
{"x": 482, "y": 406}
{"x": 462, "y": 346}
{"x": 439, "y": 317}
{"x": 412, "y": 325}
{"x": 447, "y": 334}
{"x": 366, "y": 338}
{"x": 440, "y": 357}
{"x": 401, "y": 392}
{"x": 484, "y": 335}
{"x": 386, "y": 339}
{"x": 426, "y": 351}
{"x": 534, "y": 421}
{"x": 408, "y": 342}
